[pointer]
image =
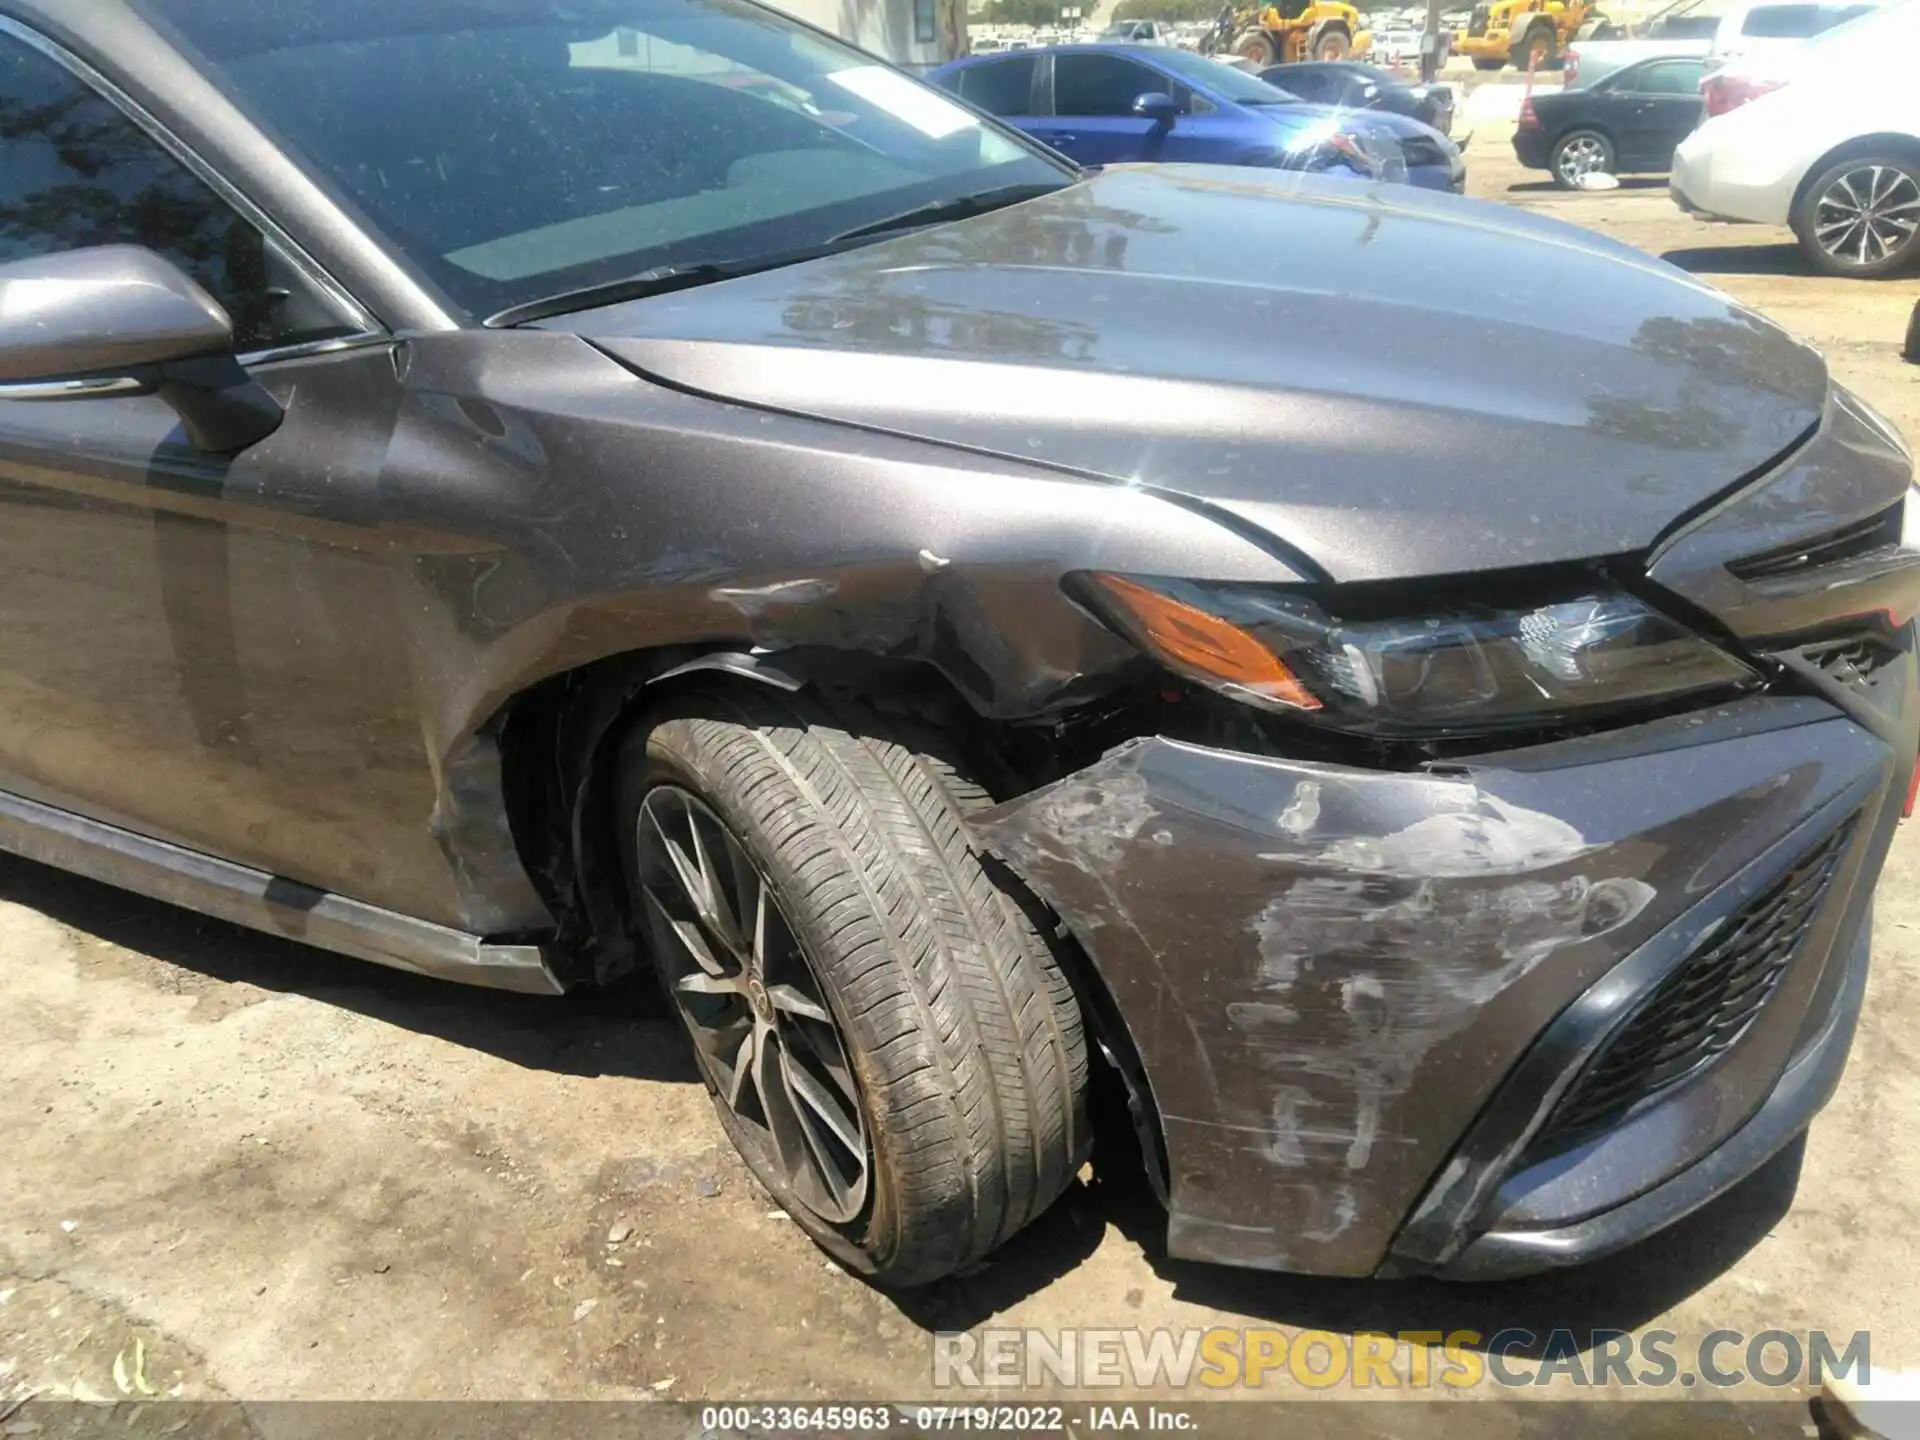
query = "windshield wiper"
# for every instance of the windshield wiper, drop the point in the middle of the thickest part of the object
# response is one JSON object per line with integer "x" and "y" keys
{"x": 959, "y": 208}
{"x": 664, "y": 278}
{"x": 657, "y": 281}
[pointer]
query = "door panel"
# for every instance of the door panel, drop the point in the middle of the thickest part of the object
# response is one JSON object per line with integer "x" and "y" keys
{"x": 1632, "y": 118}
{"x": 1659, "y": 113}
{"x": 1670, "y": 119}
{"x": 1099, "y": 139}
{"x": 1092, "y": 102}
{"x": 198, "y": 655}
{"x": 202, "y": 649}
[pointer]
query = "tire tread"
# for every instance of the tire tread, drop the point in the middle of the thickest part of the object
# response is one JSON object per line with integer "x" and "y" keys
{"x": 964, "y": 1028}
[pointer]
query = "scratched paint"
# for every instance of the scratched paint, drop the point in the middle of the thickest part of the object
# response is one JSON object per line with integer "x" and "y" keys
{"x": 1433, "y": 955}
{"x": 756, "y": 600}
{"x": 1383, "y": 918}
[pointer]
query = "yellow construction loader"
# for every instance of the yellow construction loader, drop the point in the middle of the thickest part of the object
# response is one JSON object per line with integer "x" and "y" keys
{"x": 1522, "y": 32}
{"x": 1275, "y": 32}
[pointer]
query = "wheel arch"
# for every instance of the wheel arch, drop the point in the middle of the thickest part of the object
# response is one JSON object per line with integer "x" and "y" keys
{"x": 1574, "y": 128}
{"x": 558, "y": 737}
{"x": 1247, "y": 38}
{"x": 559, "y": 741}
{"x": 1880, "y": 141}
{"x": 1335, "y": 24}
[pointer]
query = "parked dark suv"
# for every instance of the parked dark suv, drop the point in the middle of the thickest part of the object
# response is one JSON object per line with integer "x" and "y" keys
{"x": 523, "y": 490}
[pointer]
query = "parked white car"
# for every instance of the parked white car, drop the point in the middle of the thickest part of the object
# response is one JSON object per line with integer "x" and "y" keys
{"x": 1393, "y": 44}
{"x": 1720, "y": 30}
{"x": 1829, "y": 145}
{"x": 1137, "y": 32}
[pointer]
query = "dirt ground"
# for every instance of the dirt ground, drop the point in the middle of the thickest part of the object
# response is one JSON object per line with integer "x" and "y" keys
{"x": 237, "y": 1167}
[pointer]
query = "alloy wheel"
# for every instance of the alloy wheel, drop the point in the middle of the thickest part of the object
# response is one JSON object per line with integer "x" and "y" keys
{"x": 1867, "y": 214}
{"x": 761, "y": 1027}
{"x": 1582, "y": 155}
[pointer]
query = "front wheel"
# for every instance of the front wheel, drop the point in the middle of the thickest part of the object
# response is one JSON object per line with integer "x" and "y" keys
{"x": 1578, "y": 153}
{"x": 1537, "y": 51}
{"x": 1257, "y": 46}
{"x": 891, "y": 1044}
{"x": 1861, "y": 217}
{"x": 1480, "y": 63}
{"x": 1332, "y": 45}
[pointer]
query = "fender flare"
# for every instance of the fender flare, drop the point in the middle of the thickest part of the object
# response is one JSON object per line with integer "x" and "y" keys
{"x": 744, "y": 664}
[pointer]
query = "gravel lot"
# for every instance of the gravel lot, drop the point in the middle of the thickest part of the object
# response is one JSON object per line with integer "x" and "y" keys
{"x": 293, "y": 1176}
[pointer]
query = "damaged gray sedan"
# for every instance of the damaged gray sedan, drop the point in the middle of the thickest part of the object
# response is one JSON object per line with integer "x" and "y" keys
{"x": 538, "y": 491}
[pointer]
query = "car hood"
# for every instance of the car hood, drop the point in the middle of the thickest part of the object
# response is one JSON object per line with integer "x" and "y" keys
{"x": 1303, "y": 116}
{"x": 1391, "y": 381}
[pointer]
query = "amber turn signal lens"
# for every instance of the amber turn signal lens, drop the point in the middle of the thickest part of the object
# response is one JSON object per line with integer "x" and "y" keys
{"x": 1202, "y": 645}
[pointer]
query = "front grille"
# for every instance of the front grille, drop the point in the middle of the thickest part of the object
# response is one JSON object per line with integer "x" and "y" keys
{"x": 1477, "y": 25}
{"x": 1852, "y": 663}
{"x": 1702, "y": 1007}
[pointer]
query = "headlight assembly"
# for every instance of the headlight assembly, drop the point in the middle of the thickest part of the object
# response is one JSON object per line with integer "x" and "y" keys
{"x": 1458, "y": 671}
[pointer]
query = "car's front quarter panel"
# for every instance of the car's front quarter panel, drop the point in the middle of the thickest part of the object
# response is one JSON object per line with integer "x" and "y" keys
{"x": 595, "y": 511}
{"x": 548, "y": 508}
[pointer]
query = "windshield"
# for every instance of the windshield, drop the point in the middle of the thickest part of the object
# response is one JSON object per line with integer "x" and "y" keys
{"x": 1868, "y": 28}
{"x": 1689, "y": 20}
{"x": 1375, "y": 74}
{"x": 516, "y": 149}
{"x": 1223, "y": 80}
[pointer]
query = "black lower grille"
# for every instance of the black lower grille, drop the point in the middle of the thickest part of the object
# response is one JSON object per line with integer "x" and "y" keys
{"x": 1702, "y": 1007}
{"x": 1852, "y": 663}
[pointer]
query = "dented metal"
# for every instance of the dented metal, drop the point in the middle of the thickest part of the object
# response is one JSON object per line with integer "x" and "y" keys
{"x": 1328, "y": 970}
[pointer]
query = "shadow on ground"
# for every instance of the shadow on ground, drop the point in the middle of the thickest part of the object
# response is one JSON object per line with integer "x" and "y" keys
{"x": 1620, "y": 1293}
{"x": 624, "y": 1032}
{"x": 1740, "y": 260}
{"x": 1548, "y": 187}
{"x": 629, "y": 1036}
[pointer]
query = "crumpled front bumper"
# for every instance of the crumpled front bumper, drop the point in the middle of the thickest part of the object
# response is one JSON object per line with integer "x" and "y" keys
{"x": 1366, "y": 1002}
{"x": 1334, "y": 977}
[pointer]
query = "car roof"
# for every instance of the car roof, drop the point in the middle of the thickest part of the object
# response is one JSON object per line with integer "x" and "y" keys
{"x": 1644, "y": 61}
{"x": 1105, "y": 47}
{"x": 1277, "y": 74}
{"x": 1647, "y": 62}
{"x": 1137, "y": 52}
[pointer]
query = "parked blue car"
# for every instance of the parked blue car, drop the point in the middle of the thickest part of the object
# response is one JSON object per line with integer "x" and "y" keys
{"x": 1105, "y": 104}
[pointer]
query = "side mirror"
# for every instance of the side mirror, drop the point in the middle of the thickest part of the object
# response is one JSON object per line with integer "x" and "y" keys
{"x": 120, "y": 320}
{"x": 1156, "y": 106}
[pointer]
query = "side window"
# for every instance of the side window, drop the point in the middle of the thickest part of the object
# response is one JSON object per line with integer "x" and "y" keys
{"x": 1003, "y": 88}
{"x": 1089, "y": 84}
{"x": 1672, "y": 77}
{"x": 75, "y": 172}
{"x": 1782, "y": 22}
{"x": 1830, "y": 17}
{"x": 1308, "y": 85}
